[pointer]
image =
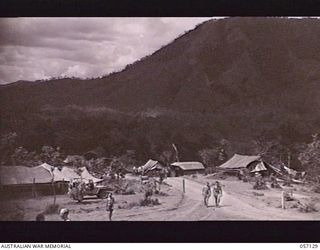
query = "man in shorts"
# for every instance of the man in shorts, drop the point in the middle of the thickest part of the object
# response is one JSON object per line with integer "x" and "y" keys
{"x": 217, "y": 193}
{"x": 206, "y": 192}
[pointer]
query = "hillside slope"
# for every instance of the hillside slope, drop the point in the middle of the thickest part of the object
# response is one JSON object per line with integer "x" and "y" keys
{"x": 238, "y": 77}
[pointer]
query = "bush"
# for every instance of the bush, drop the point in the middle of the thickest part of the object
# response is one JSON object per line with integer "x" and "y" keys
{"x": 316, "y": 189}
{"x": 160, "y": 193}
{"x": 51, "y": 209}
{"x": 308, "y": 208}
{"x": 149, "y": 202}
{"x": 129, "y": 191}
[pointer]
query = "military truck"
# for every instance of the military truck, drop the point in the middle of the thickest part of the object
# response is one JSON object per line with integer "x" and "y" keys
{"x": 79, "y": 189}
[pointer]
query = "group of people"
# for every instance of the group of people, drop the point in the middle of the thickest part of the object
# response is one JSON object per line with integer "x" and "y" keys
{"x": 216, "y": 191}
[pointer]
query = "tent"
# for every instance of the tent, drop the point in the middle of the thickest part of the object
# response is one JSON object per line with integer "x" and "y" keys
{"x": 259, "y": 167}
{"x": 47, "y": 167}
{"x": 251, "y": 163}
{"x": 21, "y": 181}
{"x": 65, "y": 174}
{"x": 87, "y": 176}
{"x": 239, "y": 161}
{"x": 20, "y": 175}
{"x": 184, "y": 168}
{"x": 151, "y": 165}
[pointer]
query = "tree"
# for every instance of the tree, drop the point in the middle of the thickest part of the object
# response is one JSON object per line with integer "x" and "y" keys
{"x": 310, "y": 156}
{"x": 22, "y": 156}
{"x": 167, "y": 157}
{"x": 209, "y": 156}
{"x": 51, "y": 155}
{"x": 7, "y": 147}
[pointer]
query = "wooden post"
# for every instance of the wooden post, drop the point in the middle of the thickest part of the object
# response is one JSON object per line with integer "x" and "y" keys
{"x": 282, "y": 200}
{"x": 34, "y": 188}
{"x": 54, "y": 192}
{"x": 183, "y": 185}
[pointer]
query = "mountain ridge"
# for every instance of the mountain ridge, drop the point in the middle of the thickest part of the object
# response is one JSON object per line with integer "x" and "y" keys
{"x": 245, "y": 77}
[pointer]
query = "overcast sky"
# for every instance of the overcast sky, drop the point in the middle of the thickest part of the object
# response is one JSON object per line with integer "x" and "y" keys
{"x": 39, "y": 48}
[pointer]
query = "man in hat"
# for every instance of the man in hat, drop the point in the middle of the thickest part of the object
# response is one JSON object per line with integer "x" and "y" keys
{"x": 110, "y": 203}
{"x": 217, "y": 193}
{"x": 64, "y": 214}
{"x": 206, "y": 192}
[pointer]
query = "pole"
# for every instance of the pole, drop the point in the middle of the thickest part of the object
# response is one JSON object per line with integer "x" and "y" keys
{"x": 53, "y": 189}
{"x": 183, "y": 185}
{"x": 282, "y": 200}
{"x": 34, "y": 188}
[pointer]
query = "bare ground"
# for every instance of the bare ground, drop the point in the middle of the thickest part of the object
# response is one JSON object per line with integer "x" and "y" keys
{"x": 239, "y": 202}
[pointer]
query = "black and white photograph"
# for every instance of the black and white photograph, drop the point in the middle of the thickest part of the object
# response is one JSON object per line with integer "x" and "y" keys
{"x": 160, "y": 119}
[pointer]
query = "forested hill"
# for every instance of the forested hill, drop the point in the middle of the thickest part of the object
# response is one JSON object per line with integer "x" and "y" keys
{"x": 235, "y": 78}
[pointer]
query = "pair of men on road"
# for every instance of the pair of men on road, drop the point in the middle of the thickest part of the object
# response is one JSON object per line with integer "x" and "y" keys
{"x": 216, "y": 190}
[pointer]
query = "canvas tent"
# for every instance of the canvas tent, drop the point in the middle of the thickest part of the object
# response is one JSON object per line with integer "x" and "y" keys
{"x": 20, "y": 175}
{"x": 239, "y": 161}
{"x": 66, "y": 174}
{"x": 87, "y": 176}
{"x": 21, "y": 181}
{"x": 185, "y": 168}
{"x": 251, "y": 163}
{"x": 151, "y": 165}
{"x": 259, "y": 167}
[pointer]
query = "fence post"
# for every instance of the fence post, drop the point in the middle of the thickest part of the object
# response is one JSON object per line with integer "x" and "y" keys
{"x": 282, "y": 200}
{"x": 34, "y": 188}
{"x": 183, "y": 185}
{"x": 54, "y": 192}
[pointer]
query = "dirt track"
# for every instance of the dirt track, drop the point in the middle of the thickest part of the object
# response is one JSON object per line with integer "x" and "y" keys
{"x": 239, "y": 202}
{"x": 233, "y": 205}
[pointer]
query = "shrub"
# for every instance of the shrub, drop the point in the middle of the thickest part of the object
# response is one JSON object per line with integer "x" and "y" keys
{"x": 316, "y": 189}
{"x": 129, "y": 191}
{"x": 308, "y": 208}
{"x": 160, "y": 193}
{"x": 149, "y": 202}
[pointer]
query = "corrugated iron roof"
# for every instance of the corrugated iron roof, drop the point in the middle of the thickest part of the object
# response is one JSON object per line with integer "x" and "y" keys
{"x": 191, "y": 165}
{"x": 150, "y": 165}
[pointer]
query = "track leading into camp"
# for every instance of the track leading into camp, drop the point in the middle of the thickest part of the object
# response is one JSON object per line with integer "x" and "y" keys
{"x": 232, "y": 206}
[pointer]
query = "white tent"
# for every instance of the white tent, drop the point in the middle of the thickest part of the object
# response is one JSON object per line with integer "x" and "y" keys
{"x": 259, "y": 167}
{"x": 87, "y": 176}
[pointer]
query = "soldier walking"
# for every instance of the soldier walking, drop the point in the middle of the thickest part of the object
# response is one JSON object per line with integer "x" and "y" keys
{"x": 217, "y": 193}
{"x": 206, "y": 192}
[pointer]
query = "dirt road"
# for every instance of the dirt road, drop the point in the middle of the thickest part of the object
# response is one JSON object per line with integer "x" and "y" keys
{"x": 233, "y": 206}
{"x": 239, "y": 202}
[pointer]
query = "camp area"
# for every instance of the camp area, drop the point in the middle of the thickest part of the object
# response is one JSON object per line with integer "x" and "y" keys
{"x": 158, "y": 189}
